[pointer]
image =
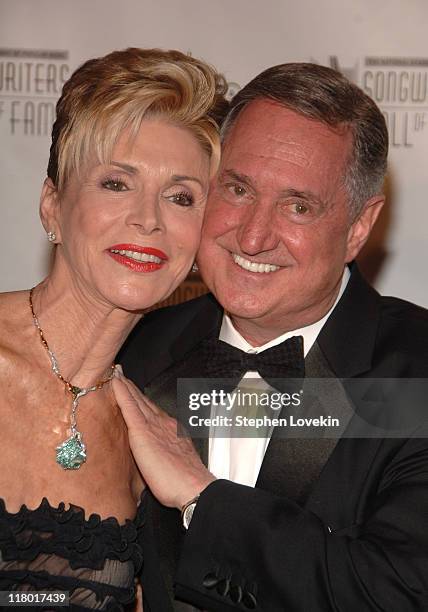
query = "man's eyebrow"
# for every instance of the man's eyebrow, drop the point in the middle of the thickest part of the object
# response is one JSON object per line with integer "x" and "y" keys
{"x": 235, "y": 176}
{"x": 304, "y": 195}
{"x": 308, "y": 195}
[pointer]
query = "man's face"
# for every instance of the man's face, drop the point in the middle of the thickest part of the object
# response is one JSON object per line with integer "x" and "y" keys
{"x": 277, "y": 233}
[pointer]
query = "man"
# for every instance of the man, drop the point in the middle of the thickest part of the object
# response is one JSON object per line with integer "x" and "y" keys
{"x": 298, "y": 525}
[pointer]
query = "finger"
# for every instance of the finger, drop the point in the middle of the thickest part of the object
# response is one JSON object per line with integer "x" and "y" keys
{"x": 156, "y": 409}
{"x": 140, "y": 397}
{"x": 132, "y": 389}
{"x": 131, "y": 410}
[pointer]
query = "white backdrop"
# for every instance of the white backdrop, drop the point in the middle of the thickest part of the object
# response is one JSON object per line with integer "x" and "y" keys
{"x": 381, "y": 45}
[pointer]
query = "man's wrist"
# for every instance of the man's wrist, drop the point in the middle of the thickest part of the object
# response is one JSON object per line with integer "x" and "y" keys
{"x": 194, "y": 492}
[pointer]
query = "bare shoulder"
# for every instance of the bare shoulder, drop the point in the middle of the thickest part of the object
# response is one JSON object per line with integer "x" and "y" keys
{"x": 15, "y": 326}
{"x": 10, "y": 301}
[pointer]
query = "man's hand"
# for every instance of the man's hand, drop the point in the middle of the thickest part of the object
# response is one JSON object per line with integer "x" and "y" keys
{"x": 168, "y": 463}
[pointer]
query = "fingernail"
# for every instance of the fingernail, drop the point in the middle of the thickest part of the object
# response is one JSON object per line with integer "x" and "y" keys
{"x": 118, "y": 371}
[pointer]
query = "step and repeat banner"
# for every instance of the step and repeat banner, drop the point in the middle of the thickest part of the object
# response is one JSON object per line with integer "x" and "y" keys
{"x": 382, "y": 46}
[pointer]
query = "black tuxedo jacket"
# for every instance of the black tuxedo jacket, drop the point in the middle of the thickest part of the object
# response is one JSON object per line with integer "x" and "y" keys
{"x": 331, "y": 525}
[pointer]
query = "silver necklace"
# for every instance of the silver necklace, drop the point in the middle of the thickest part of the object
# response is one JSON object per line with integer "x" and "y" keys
{"x": 71, "y": 453}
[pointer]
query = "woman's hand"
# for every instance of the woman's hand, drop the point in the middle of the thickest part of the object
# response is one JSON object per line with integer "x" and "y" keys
{"x": 169, "y": 464}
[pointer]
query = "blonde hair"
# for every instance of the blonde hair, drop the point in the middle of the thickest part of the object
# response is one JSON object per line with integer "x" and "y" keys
{"x": 109, "y": 94}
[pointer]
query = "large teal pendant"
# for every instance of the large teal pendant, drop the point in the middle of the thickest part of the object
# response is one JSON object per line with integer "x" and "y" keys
{"x": 71, "y": 453}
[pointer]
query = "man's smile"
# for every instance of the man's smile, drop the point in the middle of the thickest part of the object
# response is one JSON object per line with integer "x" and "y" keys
{"x": 253, "y": 266}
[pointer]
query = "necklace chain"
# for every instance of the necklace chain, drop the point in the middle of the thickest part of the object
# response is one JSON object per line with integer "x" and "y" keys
{"x": 73, "y": 389}
{"x": 71, "y": 453}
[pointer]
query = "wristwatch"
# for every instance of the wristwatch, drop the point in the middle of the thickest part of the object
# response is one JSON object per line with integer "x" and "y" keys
{"x": 187, "y": 511}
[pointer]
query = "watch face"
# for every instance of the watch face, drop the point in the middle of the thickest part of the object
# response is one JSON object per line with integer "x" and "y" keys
{"x": 188, "y": 513}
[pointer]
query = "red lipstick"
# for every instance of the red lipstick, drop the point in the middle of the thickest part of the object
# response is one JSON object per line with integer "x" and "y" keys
{"x": 156, "y": 260}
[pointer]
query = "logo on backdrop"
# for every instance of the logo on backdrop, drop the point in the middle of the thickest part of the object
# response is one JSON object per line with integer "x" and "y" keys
{"x": 399, "y": 85}
{"x": 30, "y": 84}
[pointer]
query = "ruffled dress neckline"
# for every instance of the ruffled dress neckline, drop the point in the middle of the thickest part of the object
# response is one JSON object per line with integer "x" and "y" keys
{"x": 49, "y": 547}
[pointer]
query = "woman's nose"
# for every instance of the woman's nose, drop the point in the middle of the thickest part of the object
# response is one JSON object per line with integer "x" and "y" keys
{"x": 146, "y": 214}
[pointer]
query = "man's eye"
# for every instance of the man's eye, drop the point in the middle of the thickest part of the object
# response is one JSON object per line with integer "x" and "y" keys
{"x": 183, "y": 198}
{"x": 114, "y": 185}
{"x": 300, "y": 209}
{"x": 237, "y": 190}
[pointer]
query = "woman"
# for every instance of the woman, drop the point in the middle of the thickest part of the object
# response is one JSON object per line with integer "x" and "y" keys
{"x": 133, "y": 147}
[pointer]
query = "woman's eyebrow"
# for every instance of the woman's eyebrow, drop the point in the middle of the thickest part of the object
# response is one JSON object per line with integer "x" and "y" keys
{"x": 126, "y": 167}
{"x": 177, "y": 178}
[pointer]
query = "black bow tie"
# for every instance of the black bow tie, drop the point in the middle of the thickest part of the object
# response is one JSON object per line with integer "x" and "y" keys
{"x": 284, "y": 360}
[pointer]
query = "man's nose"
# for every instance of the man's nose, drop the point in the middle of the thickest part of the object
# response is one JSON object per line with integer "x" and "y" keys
{"x": 256, "y": 232}
{"x": 145, "y": 214}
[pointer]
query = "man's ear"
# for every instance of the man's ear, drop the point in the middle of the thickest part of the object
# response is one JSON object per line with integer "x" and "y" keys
{"x": 362, "y": 226}
{"x": 50, "y": 208}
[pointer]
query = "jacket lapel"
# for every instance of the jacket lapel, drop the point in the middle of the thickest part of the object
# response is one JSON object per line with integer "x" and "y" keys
{"x": 293, "y": 461}
{"x": 348, "y": 337}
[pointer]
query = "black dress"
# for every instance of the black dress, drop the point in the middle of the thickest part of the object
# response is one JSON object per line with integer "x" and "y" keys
{"x": 48, "y": 548}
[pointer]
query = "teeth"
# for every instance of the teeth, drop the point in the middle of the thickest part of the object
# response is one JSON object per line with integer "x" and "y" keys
{"x": 252, "y": 266}
{"x": 137, "y": 256}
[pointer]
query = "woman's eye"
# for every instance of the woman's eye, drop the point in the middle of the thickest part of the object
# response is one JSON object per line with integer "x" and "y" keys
{"x": 183, "y": 198}
{"x": 114, "y": 185}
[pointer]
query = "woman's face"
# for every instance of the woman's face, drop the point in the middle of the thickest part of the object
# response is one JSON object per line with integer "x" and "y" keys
{"x": 128, "y": 231}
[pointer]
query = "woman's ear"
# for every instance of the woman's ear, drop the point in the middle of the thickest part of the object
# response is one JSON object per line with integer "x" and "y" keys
{"x": 49, "y": 211}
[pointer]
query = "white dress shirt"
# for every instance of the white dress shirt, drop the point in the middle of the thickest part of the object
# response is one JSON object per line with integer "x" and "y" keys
{"x": 240, "y": 459}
